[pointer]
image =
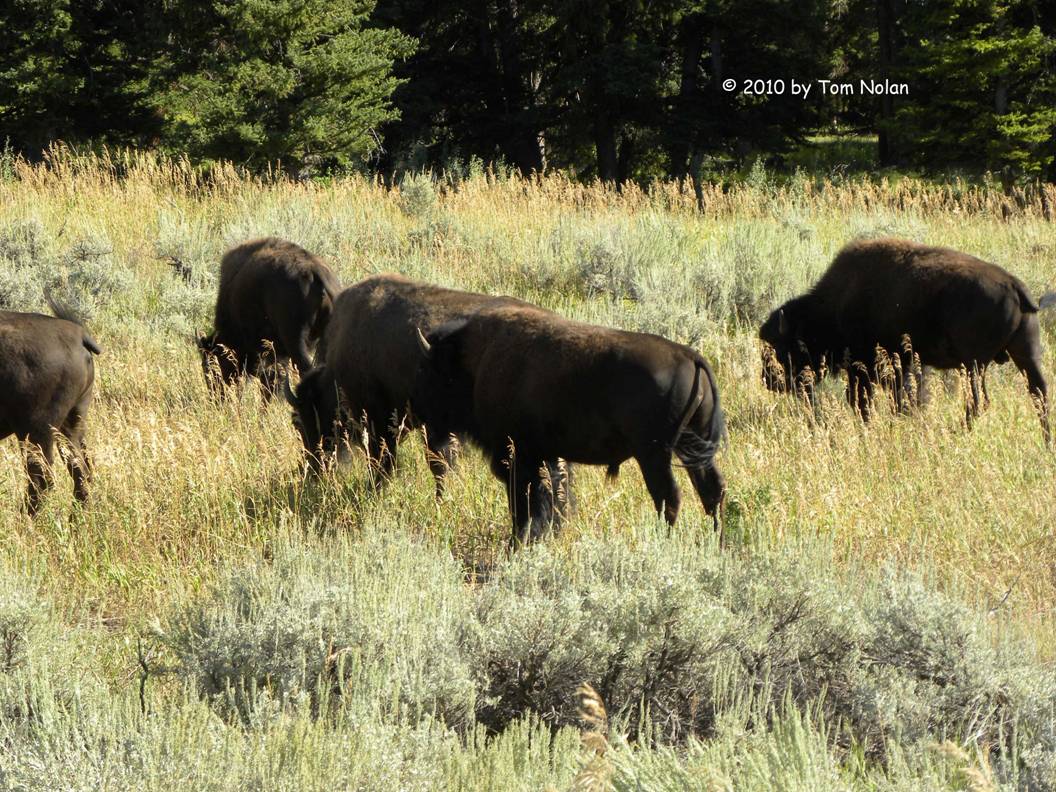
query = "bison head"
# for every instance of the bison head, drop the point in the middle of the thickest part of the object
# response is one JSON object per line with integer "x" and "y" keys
{"x": 220, "y": 365}
{"x": 786, "y": 357}
{"x": 315, "y": 414}
{"x": 443, "y": 391}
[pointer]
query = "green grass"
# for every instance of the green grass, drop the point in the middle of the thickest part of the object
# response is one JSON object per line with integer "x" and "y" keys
{"x": 185, "y": 489}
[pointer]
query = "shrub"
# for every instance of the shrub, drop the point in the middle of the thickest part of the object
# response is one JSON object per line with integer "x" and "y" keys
{"x": 25, "y": 264}
{"x": 88, "y": 275}
{"x": 418, "y": 196}
{"x": 378, "y": 620}
{"x": 676, "y": 638}
{"x": 84, "y": 275}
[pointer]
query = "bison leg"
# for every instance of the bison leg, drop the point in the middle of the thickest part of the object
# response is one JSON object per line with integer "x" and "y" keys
{"x": 549, "y": 497}
{"x": 509, "y": 470}
{"x": 299, "y": 353}
{"x": 381, "y": 450}
{"x": 76, "y": 457}
{"x": 441, "y": 456}
{"x": 271, "y": 379}
{"x": 39, "y": 449}
{"x": 564, "y": 500}
{"x": 971, "y": 409}
{"x": 859, "y": 392}
{"x": 920, "y": 375}
{"x": 660, "y": 481}
{"x": 1025, "y": 351}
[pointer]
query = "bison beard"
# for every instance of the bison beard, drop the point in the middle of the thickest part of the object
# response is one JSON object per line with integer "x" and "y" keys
{"x": 530, "y": 387}
{"x": 46, "y": 361}
{"x": 889, "y": 307}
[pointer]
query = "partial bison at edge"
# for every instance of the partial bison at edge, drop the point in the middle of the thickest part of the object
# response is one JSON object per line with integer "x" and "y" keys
{"x": 946, "y": 307}
{"x": 273, "y": 305}
{"x": 46, "y": 377}
{"x": 530, "y": 387}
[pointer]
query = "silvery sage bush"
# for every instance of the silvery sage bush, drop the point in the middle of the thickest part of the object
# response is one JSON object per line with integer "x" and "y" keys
{"x": 673, "y": 638}
{"x": 377, "y": 620}
{"x": 83, "y": 274}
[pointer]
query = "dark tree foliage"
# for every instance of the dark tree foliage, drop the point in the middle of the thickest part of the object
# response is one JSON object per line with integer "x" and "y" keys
{"x": 984, "y": 87}
{"x": 75, "y": 70}
{"x": 612, "y": 89}
{"x": 304, "y": 82}
{"x": 472, "y": 89}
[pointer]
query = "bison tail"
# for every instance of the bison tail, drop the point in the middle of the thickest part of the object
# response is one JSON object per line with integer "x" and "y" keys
{"x": 717, "y": 425}
{"x": 62, "y": 310}
{"x": 692, "y": 448}
{"x": 1047, "y": 300}
{"x": 1026, "y": 302}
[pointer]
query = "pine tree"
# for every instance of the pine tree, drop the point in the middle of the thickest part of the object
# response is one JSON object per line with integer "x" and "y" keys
{"x": 983, "y": 92}
{"x": 304, "y": 82}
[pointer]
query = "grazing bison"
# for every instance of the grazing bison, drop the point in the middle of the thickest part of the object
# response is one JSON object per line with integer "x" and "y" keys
{"x": 274, "y": 303}
{"x": 946, "y": 307}
{"x": 368, "y": 370}
{"x": 47, "y": 372}
{"x": 517, "y": 378}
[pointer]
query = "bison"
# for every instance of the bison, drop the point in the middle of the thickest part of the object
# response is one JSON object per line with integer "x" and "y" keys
{"x": 882, "y": 302}
{"x": 274, "y": 302}
{"x": 368, "y": 371}
{"x": 47, "y": 372}
{"x": 530, "y": 387}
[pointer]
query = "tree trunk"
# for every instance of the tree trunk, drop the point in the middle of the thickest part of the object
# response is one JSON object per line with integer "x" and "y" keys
{"x": 605, "y": 143}
{"x": 691, "y": 36}
{"x": 885, "y": 28}
{"x": 522, "y": 143}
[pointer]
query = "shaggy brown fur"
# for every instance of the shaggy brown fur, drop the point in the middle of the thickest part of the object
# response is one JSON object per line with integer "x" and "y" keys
{"x": 515, "y": 375}
{"x": 47, "y": 372}
{"x": 948, "y": 308}
{"x": 274, "y": 303}
{"x": 368, "y": 371}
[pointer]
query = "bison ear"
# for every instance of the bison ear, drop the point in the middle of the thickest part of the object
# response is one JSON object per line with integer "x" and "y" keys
{"x": 782, "y": 322}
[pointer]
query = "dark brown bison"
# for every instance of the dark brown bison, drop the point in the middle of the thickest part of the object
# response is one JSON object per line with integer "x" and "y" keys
{"x": 530, "y": 387}
{"x": 47, "y": 371}
{"x": 368, "y": 371}
{"x": 273, "y": 305}
{"x": 903, "y": 298}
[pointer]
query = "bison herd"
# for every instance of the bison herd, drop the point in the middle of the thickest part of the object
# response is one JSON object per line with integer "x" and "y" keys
{"x": 536, "y": 392}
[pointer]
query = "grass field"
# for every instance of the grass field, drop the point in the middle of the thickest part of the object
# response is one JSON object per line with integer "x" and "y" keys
{"x": 880, "y": 619}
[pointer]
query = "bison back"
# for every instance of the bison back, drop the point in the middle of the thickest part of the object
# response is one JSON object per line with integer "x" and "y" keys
{"x": 954, "y": 308}
{"x": 271, "y": 289}
{"x": 46, "y": 366}
{"x": 372, "y": 340}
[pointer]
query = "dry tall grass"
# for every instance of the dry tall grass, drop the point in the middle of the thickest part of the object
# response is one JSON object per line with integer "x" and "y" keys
{"x": 181, "y": 482}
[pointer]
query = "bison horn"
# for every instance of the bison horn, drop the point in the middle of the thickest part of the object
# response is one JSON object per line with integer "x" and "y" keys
{"x": 287, "y": 391}
{"x": 423, "y": 342}
{"x": 782, "y": 322}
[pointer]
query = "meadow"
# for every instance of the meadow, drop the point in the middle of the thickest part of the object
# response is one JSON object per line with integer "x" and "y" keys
{"x": 881, "y": 616}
